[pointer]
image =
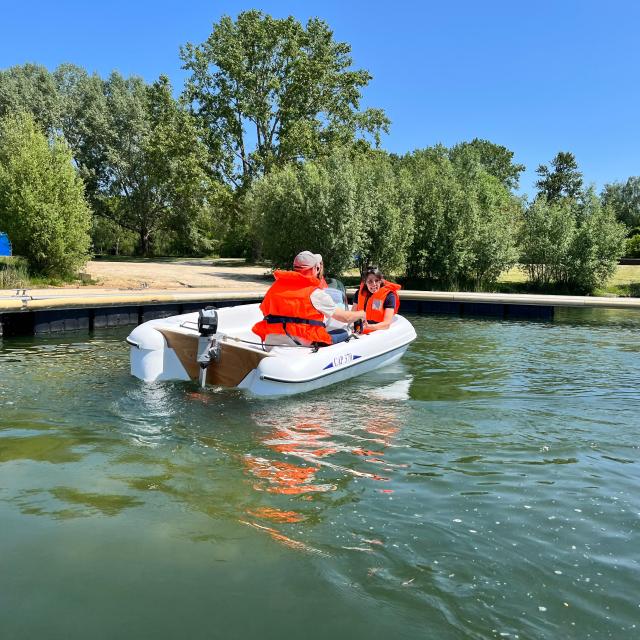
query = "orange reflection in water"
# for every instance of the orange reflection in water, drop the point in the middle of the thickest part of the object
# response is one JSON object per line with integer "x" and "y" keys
{"x": 304, "y": 440}
{"x": 309, "y": 446}
{"x": 286, "y": 540}
{"x": 283, "y": 477}
{"x": 276, "y": 515}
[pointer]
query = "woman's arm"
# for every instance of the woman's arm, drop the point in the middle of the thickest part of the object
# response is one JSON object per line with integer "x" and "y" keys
{"x": 386, "y": 322}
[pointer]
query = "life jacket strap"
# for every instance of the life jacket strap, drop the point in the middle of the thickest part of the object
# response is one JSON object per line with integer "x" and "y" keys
{"x": 270, "y": 319}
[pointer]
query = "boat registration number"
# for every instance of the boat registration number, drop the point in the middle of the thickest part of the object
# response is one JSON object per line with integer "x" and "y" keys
{"x": 345, "y": 358}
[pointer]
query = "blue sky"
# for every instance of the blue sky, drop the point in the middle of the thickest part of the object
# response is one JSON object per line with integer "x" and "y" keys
{"x": 537, "y": 77}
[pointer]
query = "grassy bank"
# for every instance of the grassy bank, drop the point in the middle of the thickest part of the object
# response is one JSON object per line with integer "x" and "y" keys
{"x": 625, "y": 282}
{"x": 14, "y": 274}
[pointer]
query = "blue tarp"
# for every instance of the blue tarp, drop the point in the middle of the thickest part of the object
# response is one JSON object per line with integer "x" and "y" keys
{"x": 5, "y": 245}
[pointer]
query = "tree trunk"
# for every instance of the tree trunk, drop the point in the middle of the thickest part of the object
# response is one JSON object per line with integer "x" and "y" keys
{"x": 144, "y": 242}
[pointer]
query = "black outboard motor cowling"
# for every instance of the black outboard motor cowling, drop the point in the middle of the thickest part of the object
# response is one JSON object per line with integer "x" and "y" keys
{"x": 207, "y": 321}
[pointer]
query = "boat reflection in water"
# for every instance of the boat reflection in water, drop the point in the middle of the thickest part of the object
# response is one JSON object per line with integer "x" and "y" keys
{"x": 305, "y": 455}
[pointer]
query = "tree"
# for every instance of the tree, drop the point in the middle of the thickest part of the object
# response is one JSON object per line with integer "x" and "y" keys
{"x": 494, "y": 237}
{"x": 465, "y": 220}
{"x": 31, "y": 88}
{"x": 496, "y": 160}
{"x": 546, "y": 237}
{"x": 271, "y": 91}
{"x": 109, "y": 238}
{"x": 385, "y": 207}
{"x": 311, "y": 205}
{"x": 42, "y": 205}
{"x": 177, "y": 166}
{"x": 440, "y": 249}
{"x": 575, "y": 244}
{"x": 598, "y": 244}
{"x": 563, "y": 181}
{"x": 632, "y": 247}
{"x": 624, "y": 199}
{"x": 142, "y": 159}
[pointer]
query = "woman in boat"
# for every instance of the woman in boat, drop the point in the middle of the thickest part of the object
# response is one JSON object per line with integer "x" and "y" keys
{"x": 378, "y": 298}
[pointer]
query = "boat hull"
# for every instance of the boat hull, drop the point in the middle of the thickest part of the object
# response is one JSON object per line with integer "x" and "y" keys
{"x": 264, "y": 385}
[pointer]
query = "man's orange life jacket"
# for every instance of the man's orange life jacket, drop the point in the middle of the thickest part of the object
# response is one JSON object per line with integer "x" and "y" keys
{"x": 374, "y": 304}
{"x": 288, "y": 310}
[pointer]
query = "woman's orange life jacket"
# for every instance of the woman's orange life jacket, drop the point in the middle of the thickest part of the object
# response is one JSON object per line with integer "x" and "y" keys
{"x": 374, "y": 303}
{"x": 288, "y": 310}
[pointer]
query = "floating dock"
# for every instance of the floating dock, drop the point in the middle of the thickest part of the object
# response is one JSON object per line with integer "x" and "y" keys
{"x": 37, "y": 312}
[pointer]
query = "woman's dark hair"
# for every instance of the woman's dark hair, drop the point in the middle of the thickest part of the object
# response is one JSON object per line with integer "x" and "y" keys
{"x": 372, "y": 271}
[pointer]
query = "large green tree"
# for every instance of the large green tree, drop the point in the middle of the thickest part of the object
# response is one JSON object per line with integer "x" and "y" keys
{"x": 563, "y": 180}
{"x": 142, "y": 158}
{"x": 495, "y": 218}
{"x": 598, "y": 244}
{"x": 546, "y": 237}
{"x": 31, "y": 88}
{"x": 441, "y": 246}
{"x": 494, "y": 158}
{"x": 42, "y": 204}
{"x": 270, "y": 91}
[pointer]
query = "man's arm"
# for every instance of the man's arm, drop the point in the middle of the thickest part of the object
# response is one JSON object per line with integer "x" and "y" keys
{"x": 324, "y": 304}
{"x": 348, "y": 316}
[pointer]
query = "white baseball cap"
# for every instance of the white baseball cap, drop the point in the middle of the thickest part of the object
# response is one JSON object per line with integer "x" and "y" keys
{"x": 306, "y": 260}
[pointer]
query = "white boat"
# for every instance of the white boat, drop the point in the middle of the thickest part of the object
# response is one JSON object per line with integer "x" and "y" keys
{"x": 226, "y": 352}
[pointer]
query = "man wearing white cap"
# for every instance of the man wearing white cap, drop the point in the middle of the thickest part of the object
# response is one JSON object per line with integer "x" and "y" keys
{"x": 296, "y": 309}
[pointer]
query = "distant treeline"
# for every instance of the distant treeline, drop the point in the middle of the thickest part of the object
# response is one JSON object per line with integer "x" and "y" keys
{"x": 267, "y": 152}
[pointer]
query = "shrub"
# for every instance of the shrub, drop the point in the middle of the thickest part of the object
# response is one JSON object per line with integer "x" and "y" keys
{"x": 42, "y": 205}
{"x": 575, "y": 244}
{"x": 309, "y": 206}
{"x": 13, "y": 274}
{"x": 465, "y": 221}
{"x": 384, "y": 204}
{"x": 632, "y": 247}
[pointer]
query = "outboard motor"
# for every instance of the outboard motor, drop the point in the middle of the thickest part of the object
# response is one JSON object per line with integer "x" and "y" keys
{"x": 209, "y": 347}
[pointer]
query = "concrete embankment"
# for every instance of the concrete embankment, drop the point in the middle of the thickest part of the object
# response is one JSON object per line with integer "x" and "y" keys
{"x": 25, "y": 312}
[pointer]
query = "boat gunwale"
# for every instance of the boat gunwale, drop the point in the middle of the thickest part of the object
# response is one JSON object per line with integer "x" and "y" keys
{"x": 360, "y": 360}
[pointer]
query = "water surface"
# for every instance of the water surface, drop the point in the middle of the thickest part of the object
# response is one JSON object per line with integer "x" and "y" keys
{"x": 485, "y": 486}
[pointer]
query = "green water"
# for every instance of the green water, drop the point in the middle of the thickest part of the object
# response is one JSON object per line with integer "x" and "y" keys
{"x": 485, "y": 486}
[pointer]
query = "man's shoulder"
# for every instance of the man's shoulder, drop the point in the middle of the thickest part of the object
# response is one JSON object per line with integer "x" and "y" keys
{"x": 323, "y": 302}
{"x": 321, "y": 294}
